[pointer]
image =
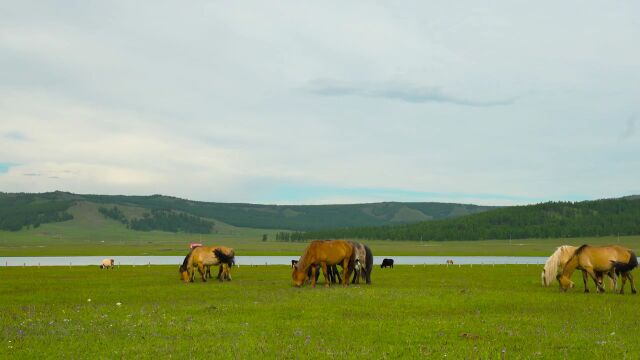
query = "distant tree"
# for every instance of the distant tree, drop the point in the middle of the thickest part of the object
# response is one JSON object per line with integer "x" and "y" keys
{"x": 264, "y": 237}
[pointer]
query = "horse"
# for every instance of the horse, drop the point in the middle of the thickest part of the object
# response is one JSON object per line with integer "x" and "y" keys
{"x": 107, "y": 264}
{"x": 386, "y": 263}
{"x": 600, "y": 259}
{"x": 556, "y": 262}
{"x": 202, "y": 257}
{"x": 449, "y": 262}
{"x": 323, "y": 253}
{"x": 360, "y": 262}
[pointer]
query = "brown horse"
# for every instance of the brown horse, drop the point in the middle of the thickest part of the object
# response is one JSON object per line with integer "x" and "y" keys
{"x": 598, "y": 260}
{"x": 202, "y": 257}
{"x": 324, "y": 253}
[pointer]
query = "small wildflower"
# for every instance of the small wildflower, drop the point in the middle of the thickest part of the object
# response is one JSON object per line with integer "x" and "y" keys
{"x": 88, "y": 300}
{"x": 118, "y": 303}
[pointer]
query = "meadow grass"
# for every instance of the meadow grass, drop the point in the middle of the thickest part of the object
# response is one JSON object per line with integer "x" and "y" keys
{"x": 450, "y": 312}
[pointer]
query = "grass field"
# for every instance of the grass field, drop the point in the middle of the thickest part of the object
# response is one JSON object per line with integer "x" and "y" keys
{"x": 408, "y": 312}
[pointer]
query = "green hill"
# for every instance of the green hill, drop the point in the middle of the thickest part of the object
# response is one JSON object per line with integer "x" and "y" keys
{"x": 547, "y": 220}
{"x": 157, "y": 212}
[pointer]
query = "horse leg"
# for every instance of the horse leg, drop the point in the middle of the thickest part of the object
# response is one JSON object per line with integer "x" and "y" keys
{"x": 220, "y": 273}
{"x": 313, "y": 276}
{"x": 202, "y": 272}
{"x": 594, "y": 276}
{"x": 325, "y": 272}
{"x": 227, "y": 270}
{"x": 613, "y": 281}
{"x": 347, "y": 272}
{"x": 585, "y": 279}
{"x": 624, "y": 281}
{"x": 633, "y": 285}
{"x": 335, "y": 271}
{"x": 192, "y": 274}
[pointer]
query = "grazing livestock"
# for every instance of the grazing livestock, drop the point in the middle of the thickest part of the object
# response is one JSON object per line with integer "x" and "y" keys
{"x": 386, "y": 263}
{"x": 360, "y": 262}
{"x": 449, "y": 262}
{"x": 324, "y": 253}
{"x": 554, "y": 266}
{"x": 107, "y": 264}
{"x": 294, "y": 263}
{"x": 596, "y": 260}
{"x": 202, "y": 257}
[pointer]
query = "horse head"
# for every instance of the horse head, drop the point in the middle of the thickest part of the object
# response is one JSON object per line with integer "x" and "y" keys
{"x": 298, "y": 276}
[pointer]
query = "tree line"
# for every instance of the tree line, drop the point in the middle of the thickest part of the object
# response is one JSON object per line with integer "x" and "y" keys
{"x": 163, "y": 220}
{"x": 29, "y": 210}
{"x": 545, "y": 220}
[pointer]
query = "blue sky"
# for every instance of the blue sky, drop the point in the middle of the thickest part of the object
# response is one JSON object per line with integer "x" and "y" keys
{"x": 511, "y": 102}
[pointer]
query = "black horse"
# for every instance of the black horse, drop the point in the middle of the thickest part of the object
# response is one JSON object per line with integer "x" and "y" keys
{"x": 387, "y": 263}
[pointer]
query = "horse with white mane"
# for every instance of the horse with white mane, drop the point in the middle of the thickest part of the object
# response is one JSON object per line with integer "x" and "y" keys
{"x": 554, "y": 266}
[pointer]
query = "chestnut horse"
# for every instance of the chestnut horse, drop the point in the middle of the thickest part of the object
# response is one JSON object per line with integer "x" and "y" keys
{"x": 596, "y": 260}
{"x": 324, "y": 253}
{"x": 202, "y": 257}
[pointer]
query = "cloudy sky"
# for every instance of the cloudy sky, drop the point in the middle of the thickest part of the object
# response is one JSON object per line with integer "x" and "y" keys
{"x": 332, "y": 102}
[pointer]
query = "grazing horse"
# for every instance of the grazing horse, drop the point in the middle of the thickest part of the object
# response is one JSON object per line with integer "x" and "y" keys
{"x": 360, "y": 262}
{"x": 324, "y": 253}
{"x": 555, "y": 264}
{"x": 600, "y": 259}
{"x": 386, "y": 263}
{"x": 107, "y": 264}
{"x": 202, "y": 257}
{"x": 449, "y": 262}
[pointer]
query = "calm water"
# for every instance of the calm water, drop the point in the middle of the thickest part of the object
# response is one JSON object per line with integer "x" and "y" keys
{"x": 258, "y": 260}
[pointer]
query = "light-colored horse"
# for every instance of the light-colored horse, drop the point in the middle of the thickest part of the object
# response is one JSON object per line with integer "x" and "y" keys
{"x": 555, "y": 264}
{"x": 107, "y": 264}
{"x": 203, "y": 257}
{"x": 596, "y": 260}
{"x": 360, "y": 262}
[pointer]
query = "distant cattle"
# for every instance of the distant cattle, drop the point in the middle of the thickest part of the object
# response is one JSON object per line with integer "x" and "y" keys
{"x": 107, "y": 264}
{"x": 294, "y": 263}
{"x": 449, "y": 262}
{"x": 387, "y": 263}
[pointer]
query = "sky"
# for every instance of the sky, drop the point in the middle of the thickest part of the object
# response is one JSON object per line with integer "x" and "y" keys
{"x": 290, "y": 102}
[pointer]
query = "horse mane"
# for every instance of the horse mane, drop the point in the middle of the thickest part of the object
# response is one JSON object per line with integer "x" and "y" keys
{"x": 185, "y": 263}
{"x": 553, "y": 264}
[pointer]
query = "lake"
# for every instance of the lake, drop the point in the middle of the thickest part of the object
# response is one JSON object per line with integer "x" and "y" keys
{"x": 259, "y": 260}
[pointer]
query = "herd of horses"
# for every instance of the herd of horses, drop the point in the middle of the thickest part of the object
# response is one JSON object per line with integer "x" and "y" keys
{"x": 356, "y": 261}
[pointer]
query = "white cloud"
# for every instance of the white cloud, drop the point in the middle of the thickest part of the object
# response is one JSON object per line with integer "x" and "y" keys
{"x": 211, "y": 100}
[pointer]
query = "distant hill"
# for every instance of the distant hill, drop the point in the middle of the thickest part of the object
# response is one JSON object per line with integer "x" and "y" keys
{"x": 546, "y": 220}
{"x": 158, "y": 212}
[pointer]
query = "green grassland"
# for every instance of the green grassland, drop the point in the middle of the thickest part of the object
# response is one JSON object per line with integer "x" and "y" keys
{"x": 487, "y": 312}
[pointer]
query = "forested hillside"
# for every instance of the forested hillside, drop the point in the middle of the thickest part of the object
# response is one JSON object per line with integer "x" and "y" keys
{"x": 31, "y": 209}
{"x": 546, "y": 220}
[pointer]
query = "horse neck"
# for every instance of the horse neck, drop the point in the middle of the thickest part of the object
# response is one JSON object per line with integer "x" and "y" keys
{"x": 304, "y": 262}
{"x": 570, "y": 266}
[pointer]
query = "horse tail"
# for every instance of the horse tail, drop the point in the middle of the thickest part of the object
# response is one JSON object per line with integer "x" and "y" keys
{"x": 228, "y": 259}
{"x": 185, "y": 263}
{"x": 369, "y": 263}
{"x": 626, "y": 267}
